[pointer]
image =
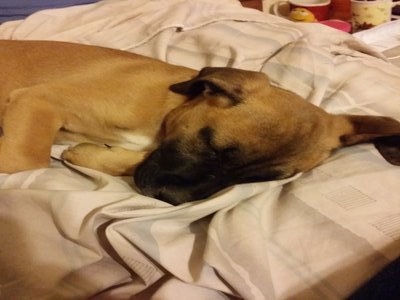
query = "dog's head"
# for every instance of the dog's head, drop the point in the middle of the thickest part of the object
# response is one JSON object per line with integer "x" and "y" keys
{"x": 237, "y": 128}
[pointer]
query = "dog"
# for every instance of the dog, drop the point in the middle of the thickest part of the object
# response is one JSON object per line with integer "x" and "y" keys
{"x": 184, "y": 134}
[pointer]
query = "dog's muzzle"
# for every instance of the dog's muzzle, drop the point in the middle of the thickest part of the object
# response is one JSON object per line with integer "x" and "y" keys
{"x": 174, "y": 177}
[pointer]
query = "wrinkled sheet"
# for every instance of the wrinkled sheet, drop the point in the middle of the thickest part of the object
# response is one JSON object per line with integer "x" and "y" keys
{"x": 384, "y": 38}
{"x": 71, "y": 233}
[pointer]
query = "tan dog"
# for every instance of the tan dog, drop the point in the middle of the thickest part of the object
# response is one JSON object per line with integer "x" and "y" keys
{"x": 196, "y": 132}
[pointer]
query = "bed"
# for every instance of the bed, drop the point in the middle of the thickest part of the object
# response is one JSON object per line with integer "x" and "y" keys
{"x": 68, "y": 232}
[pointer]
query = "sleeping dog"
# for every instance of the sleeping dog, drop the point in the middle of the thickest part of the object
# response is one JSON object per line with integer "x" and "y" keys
{"x": 184, "y": 134}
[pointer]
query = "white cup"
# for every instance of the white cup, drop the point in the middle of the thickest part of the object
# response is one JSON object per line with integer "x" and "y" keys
{"x": 367, "y": 14}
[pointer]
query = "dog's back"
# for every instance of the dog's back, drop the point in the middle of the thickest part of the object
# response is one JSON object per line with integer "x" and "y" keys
{"x": 27, "y": 63}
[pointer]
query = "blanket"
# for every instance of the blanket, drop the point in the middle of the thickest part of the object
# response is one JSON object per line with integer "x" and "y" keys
{"x": 384, "y": 38}
{"x": 69, "y": 232}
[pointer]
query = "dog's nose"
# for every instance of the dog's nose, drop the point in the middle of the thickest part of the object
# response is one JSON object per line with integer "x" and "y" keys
{"x": 153, "y": 182}
{"x": 144, "y": 175}
{"x": 173, "y": 177}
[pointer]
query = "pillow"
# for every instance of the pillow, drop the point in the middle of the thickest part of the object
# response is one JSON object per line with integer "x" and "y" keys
{"x": 19, "y": 9}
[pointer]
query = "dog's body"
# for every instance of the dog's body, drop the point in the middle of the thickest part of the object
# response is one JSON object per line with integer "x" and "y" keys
{"x": 196, "y": 132}
{"x": 72, "y": 94}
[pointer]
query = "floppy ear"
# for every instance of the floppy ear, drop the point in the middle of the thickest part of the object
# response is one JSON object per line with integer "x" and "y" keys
{"x": 384, "y": 132}
{"x": 230, "y": 83}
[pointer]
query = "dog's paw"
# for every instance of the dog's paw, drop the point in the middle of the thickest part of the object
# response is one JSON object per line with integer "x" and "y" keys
{"x": 86, "y": 155}
{"x": 111, "y": 160}
{"x": 80, "y": 153}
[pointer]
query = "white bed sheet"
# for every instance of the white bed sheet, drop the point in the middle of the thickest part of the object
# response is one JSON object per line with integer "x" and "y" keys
{"x": 74, "y": 233}
{"x": 384, "y": 38}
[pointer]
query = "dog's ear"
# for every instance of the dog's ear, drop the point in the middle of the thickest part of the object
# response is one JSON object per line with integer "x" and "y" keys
{"x": 384, "y": 132}
{"x": 232, "y": 84}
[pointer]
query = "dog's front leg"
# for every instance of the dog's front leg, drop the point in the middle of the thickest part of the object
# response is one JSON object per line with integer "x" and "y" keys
{"x": 111, "y": 160}
{"x": 29, "y": 124}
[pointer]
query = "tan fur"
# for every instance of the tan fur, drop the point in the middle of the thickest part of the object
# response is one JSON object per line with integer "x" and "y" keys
{"x": 117, "y": 107}
{"x": 85, "y": 91}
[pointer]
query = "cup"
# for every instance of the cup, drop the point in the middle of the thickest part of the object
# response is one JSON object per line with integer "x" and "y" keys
{"x": 367, "y": 14}
{"x": 319, "y": 8}
{"x": 340, "y": 10}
